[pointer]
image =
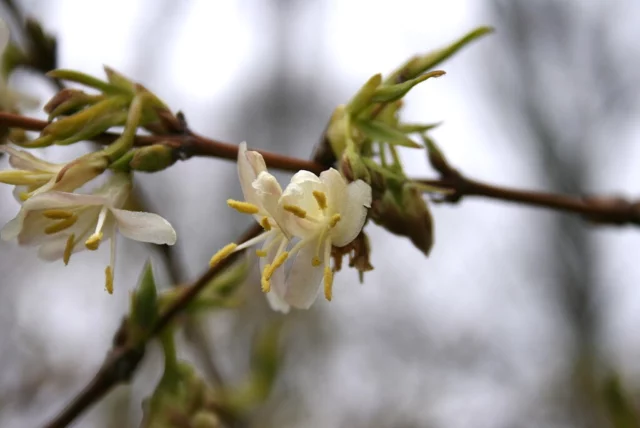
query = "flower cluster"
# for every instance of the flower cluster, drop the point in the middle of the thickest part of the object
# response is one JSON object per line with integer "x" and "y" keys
{"x": 61, "y": 222}
{"x": 303, "y": 223}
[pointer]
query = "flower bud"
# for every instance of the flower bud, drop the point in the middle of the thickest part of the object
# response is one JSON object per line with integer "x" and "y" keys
{"x": 353, "y": 167}
{"x": 153, "y": 158}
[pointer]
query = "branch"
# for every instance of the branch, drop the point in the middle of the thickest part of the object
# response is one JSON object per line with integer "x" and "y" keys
{"x": 188, "y": 145}
{"x": 124, "y": 356}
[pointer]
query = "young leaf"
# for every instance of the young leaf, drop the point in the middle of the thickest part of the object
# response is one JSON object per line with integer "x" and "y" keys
{"x": 380, "y": 131}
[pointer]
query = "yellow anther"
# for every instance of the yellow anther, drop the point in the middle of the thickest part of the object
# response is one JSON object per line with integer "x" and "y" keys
{"x": 261, "y": 253}
{"x": 328, "y": 283}
{"x": 265, "y": 224}
{"x": 108, "y": 273}
{"x": 316, "y": 261}
{"x": 243, "y": 207}
{"x": 57, "y": 214}
{"x": 68, "y": 249}
{"x": 279, "y": 261}
{"x": 61, "y": 225}
{"x": 222, "y": 254}
{"x": 24, "y": 196}
{"x": 94, "y": 241}
{"x": 264, "y": 280}
{"x": 321, "y": 199}
{"x": 295, "y": 210}
{"x": 334, "y": 220}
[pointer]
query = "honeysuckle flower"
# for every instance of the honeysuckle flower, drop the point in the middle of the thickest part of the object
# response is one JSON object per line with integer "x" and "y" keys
{"x": 32, "y": 175}
{"x": 317, "y": 212}
{"x": 327, "y": 212}
{"x": 62, "y": 223}
{"x": 262, "y": 192}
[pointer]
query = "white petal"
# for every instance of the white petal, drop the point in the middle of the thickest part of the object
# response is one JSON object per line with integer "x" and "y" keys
{"x": 144, "y": 227}
{"x": 250, "y": 164}
{"x": 305, "y": 176}
{"x": 54, "y": 250}
{"x": 304, "y": 279}
{"x": 277, "y": 304}
{"x": 11, "y": 230}
{"x": 54, "y": 199}
{"x": 21, "y": 159}
{"x": 33, "y": 227}
{"x": 268, "y": 192}
{"x": 275, "y": 296}
{"x": 336, "y": 188}
{"x": 353, "y": 214}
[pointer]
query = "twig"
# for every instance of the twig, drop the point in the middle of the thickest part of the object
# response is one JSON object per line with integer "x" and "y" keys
{"x": 124, "y": 357}
{"x": 188, "y": 145}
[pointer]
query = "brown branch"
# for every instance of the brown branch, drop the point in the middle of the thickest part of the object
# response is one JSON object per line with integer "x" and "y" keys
{"x": 188, "y": 145}
{"x": 125, "y": 355}
{"x": 611, "y": 210}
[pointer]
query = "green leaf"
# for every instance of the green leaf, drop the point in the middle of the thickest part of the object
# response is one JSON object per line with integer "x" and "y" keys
{"x": 85, "y": 79}
{"x": 380, "y": 131}
{"x": 362, "y": 99}
{"x": 417, "y": 128}
{"x": 388, "y": 93}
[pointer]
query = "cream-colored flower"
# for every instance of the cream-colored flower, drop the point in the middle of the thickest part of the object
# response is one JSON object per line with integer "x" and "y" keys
{"x": 62, "y": 223}
{"x": 317, "y": 212}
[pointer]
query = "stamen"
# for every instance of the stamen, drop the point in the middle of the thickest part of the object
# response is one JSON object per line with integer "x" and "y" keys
{"x": 68, "y": 249}
{"x": 265, "y": 224}
{"x": 295, "y": 210}
{"x": 108, "y": 273}
{"x": 24, "y": 196}
{"x": 315, "y": 261}
{"x": 261, "y": 253}
{"x": 321, "y": 199}
{"x": 328, "y": 283}
{"x": 57, "y": 214}
{"x": 61, "y": 225}
{"x": 265, "y": 282}
{"x": 94, "y": 241}
{"x": 243, "y": 207}
{"x": 334, "y": 220}
{"x": 222, "y": 254}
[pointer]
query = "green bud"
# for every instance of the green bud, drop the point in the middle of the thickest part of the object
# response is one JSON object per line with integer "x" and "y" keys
{"x": 69, "y": 101}
{"x": 402, "y": 211}
{"x": 419, "y": 64}
{"x": 117, "y": 79}
{"x": 388, "y": 93}
{"x": 363, "y": 98}
{"x": 153, "y": 158}
{"x": 144, "y": 301}
{"x": 380, "y": 131}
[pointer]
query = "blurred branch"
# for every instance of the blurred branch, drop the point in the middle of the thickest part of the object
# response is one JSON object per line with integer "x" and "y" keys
{"x": 124, "y": 356}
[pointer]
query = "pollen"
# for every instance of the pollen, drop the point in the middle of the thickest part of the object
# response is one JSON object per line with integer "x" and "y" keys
{"x": 321, "y": 199}
{"x": 222, "y": 254}
{"x": 265, "y": 224}
{"x": 61, "y": 225}
{"x": 108, "y": 274}
{"x": 315, "y": 262}
{"x": 265, "y": 282}
{"x": 68, "y": 249}
{"x": 94, "y": 241}
{"x": 334, "y": 220}
{"x": 295, "y": 210}
{"x": 261, "y": 253}
{"x": 57, "y": 214}
{"x": 328, "y": 283}
{"x": 243, "y": 207}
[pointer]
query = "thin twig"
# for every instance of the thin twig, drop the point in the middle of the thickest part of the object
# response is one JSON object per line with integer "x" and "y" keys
{"x": 124, "y": 357}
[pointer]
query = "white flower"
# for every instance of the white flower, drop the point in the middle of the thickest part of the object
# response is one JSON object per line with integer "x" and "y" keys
{"x": 327, "y": 212}
{"x": 32, "y": 175}
{"x": 319, "y": 212}
{"x": 62, "y": 223}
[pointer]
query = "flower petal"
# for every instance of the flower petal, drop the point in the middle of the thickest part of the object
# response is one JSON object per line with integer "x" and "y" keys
{"x": 353, "y": 213}
{"x": 54, "y": 199}
{"x": 250, "y": 165}
{"x": 21, "y": 159}
{"x": 304, "y": 279}
{"x": 336, "y": 188}
{"x": 11, "y": 230}
{"x": 305, "y": 176}
{"x": 144, "y": 227}
{"x": 54, "y": 250}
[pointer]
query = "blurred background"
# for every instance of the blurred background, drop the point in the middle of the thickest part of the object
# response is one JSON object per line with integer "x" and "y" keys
{"x": 518, "y": 317}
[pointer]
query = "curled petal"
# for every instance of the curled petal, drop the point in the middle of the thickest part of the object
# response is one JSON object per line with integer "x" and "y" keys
{"x": 11, "y": 230}
{"x": 54, "y": 199}
{"x": 250, "y": 165}
{"x": 353, "y": 214}
{"x": 304, "y": 279}
{"x": 144, "y": 227}
{"x": 21, "y": 159}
